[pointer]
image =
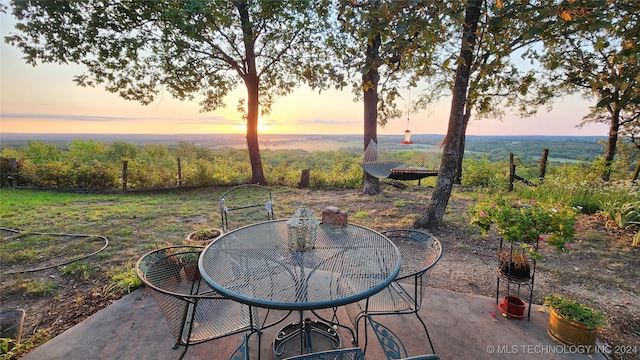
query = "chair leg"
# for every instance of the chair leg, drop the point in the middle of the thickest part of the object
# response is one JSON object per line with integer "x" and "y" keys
{"x": 357, "y": 331}
{"x": 426, "y": 332}
{"x": 183, "y": 352}
{"x": 336, "y": 322}
{"x": 242, "y": 351}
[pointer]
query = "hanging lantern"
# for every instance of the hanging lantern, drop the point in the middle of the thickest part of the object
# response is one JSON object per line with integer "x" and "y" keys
{"x": 407, "y": 133}
{"x": 407, "y": 137}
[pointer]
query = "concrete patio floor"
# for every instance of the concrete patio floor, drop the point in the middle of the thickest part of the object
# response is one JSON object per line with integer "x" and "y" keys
{"x": 461, "y": 327}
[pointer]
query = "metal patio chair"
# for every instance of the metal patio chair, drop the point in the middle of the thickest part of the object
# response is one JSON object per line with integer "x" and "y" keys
{"x": 244, "y": 205}
{"x": 391, "y": 344}
{"x": 194, "y": 312}
{"x": 340, "y": 354}
{"x": 420, "y": 251}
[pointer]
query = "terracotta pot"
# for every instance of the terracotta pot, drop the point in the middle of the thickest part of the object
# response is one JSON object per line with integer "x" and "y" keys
{"x": 191, "y": 271}
{"x": 513, "y": 306}
{"x": 568, "y": 332}
{"x": 204, "y": 236}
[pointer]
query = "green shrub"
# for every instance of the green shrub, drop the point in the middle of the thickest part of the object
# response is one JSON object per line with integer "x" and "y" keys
{"x": 81, "y": 269}
{"x": 37, "y": 287}
{"x": 198, "y": 172}
{"x": 481, "y": 172}
{"x": 623, "y": 214}
{"x": 124, "y": 281}
{"x": 39, "y": 338}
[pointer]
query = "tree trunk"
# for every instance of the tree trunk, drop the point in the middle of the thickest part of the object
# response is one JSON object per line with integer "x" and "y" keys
{"x": 257, "y": 173}
{"x": 454, "y": 141}
{"x": 458, "y": 177}
{"x": 370, "y": 79}
{"x": 614, "y": 126}
{"x": 251, "y": 81}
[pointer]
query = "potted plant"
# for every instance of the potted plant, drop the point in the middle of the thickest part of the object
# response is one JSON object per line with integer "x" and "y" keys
{"x": 514, "y": 264}
{"x": 522, "y": 224}
{"x": 525, "y": 222}
{"x": 189, "y": 261}
{"x": 204, "y": 235}
{"x": 572, "y": 323}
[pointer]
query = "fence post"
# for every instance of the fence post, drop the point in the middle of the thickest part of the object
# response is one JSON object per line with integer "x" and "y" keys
{"x": 125, "y": 165}
{"x": 543, "y": 164}
{"x": 305, "y": 182}
{"x": 512, "y": 171}
{"x": 179, "y": 173}
{"x": 14, "y": 171}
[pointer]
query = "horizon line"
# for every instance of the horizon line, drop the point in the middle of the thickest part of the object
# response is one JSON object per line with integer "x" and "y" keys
{"x": 287, "y": 134}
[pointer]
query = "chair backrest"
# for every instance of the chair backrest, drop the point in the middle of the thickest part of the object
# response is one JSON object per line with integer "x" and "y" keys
{"x": 245, "y": 204}
{"x": 420, "y": 251}
{"x": 340, "y": 354}
{"x": 163, "y": 271}
{"x": 391, "y": 344}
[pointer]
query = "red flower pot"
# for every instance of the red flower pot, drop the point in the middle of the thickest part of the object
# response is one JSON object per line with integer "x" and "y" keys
{"x": 513, "y": 306}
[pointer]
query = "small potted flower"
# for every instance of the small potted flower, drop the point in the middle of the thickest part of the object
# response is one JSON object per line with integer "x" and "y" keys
{"x": 571, "y": 323}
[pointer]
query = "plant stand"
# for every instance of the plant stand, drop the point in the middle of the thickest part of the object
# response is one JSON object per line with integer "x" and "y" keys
{"x": 517, "y": 282}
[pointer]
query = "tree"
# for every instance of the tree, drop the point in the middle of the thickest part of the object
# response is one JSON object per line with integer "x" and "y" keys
{"x": 453, "y": 144}
{"x": 381, "y": 38}
{"x": 195, "y": 49}
{"x": 486, "y": 81}
{"x": 596, "y": 51}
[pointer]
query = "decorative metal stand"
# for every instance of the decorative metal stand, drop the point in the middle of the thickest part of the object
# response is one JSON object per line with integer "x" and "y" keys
{"x": 517, "y": 281}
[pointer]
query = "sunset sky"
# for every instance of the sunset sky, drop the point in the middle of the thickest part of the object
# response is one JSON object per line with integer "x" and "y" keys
{"x": 44, "y": 99}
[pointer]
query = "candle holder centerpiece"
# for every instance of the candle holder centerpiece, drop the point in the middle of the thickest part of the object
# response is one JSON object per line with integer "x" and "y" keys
{"x": 301, "y": 230}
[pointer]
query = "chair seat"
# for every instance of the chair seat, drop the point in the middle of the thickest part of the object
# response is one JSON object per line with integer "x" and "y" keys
{"x": 393, "y": 298}
{"x": 420, "y": 252}
{"x": 215, "y": 318}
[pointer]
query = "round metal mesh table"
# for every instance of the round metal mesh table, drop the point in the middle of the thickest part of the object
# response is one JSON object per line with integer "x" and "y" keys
{"x": 255, "y": 266}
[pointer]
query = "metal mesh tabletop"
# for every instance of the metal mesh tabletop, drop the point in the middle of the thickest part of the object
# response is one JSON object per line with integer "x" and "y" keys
{"x": 255, "y": 266}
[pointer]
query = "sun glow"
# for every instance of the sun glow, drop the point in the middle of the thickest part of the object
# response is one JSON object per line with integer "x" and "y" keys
{"x": 264, "y": 126}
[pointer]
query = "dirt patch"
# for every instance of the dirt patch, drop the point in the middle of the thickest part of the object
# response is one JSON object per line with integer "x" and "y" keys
{"x": 601, "y": 269}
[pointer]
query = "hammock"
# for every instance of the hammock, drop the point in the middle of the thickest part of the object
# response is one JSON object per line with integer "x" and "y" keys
{"x": 391, "y": 168}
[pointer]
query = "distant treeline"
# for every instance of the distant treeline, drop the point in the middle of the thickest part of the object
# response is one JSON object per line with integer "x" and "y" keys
{"x": 93, "y": 164}
{"x": 561, "y": 149}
